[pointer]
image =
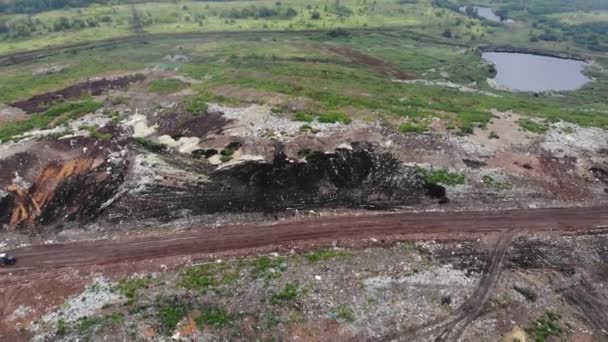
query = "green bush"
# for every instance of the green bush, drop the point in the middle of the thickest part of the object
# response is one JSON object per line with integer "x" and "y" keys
{"x": 545, "y": 326}
{"x": 442, "y": 176}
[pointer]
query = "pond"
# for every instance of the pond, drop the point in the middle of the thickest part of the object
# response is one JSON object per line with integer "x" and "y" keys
{"x": 487, "y": 13}
{"x": 528, "y": 72}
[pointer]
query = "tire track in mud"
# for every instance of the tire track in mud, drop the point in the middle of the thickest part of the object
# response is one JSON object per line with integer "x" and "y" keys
{"x": 451, "y": 328}
{"x": 474, "y": 306}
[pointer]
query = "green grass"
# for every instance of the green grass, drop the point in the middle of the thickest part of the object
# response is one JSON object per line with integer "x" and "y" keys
{"x": 196, "y": 105}
{"x": 410, "y": 127}
{"x": 288, "y": 294}
{"x": 545, "y": 327}
{"x": 335, "y": 117}
{"x": 166, "y": 86}
{"x": 129, "y": 287}
{"x": 322, "y": 255}
{"x": 498, "y": 186}
{"x": 169, "y": 315}
{"x": 344, "y": 313}
{"x": 304, "y": 116}
{"x": 214, "y": 316}
{"x": 97, "y": 135}
{"x": 56, "y": 115}
{"x": 532, "y": 126}
{"x": 89, "y": 324}
{"x": 442, "y": 176}
{"x": 267, "y": 268}
{"x": 200, "y": 278}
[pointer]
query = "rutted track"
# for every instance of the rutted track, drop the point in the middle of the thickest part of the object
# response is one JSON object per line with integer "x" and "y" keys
{"x": 40, "y": 257}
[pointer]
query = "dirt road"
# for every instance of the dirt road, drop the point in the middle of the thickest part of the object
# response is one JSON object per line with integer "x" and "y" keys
{"x": 210, "y": 240}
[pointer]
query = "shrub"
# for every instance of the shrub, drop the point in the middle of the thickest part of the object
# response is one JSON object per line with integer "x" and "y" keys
{"x": 545, "y": 326}
{"x": 442, "y": 176}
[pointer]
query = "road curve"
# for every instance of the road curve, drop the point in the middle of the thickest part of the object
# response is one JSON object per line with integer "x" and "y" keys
{"x": 228, "y": 238}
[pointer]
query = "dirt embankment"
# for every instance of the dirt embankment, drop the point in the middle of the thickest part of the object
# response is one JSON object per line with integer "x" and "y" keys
{"x": 94, "y": 87}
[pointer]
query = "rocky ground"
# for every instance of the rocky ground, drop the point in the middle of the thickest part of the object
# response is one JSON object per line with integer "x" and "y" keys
{"x": 140, "y": 149}
{"x": 552, "y": 286}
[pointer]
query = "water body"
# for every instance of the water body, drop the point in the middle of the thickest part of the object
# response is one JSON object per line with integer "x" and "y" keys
{"x": 487, "y": 13}
{"x": 527, "y": 72}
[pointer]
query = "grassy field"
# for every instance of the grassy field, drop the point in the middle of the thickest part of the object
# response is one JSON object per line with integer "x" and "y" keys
{"x": 101, "y": 22}
{"x": 358, "y": 69}
{"x": 357, "y": 73}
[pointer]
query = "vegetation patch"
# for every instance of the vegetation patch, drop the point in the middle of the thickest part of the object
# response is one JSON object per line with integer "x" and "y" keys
{"x": 498, "y": 186}
{"x": 410, "y": 127}
{"x": 344, "y": 313}
{"x": 304, "y": 116}
{"x": 545, "y": 327}
{"x": 196, "y": 105}
{"x": 166, "y": 86}
{"x": 532, "y": 126}
{"x": 334, "y": 117}
{"x": 170, "y": 314}
{"x": 97, "y": 135}
{"x": 327, "y": 254}
{"x": 267, "y": 268}
{"x": 56, "y": 115}
{"x": 443, "y": 176}
{"x": 228, "y": 151}
{"x": 130, "y": 287}
{"x": 98, "y": 324}
{"x": 287, "y": 294}
{"x": 214, "y": 316}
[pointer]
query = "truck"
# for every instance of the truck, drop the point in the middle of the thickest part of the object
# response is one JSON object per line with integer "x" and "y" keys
{"x": 7, "y": 260}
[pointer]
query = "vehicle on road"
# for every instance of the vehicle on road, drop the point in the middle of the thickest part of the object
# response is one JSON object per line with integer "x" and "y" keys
{"x": 7, "y": 260}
